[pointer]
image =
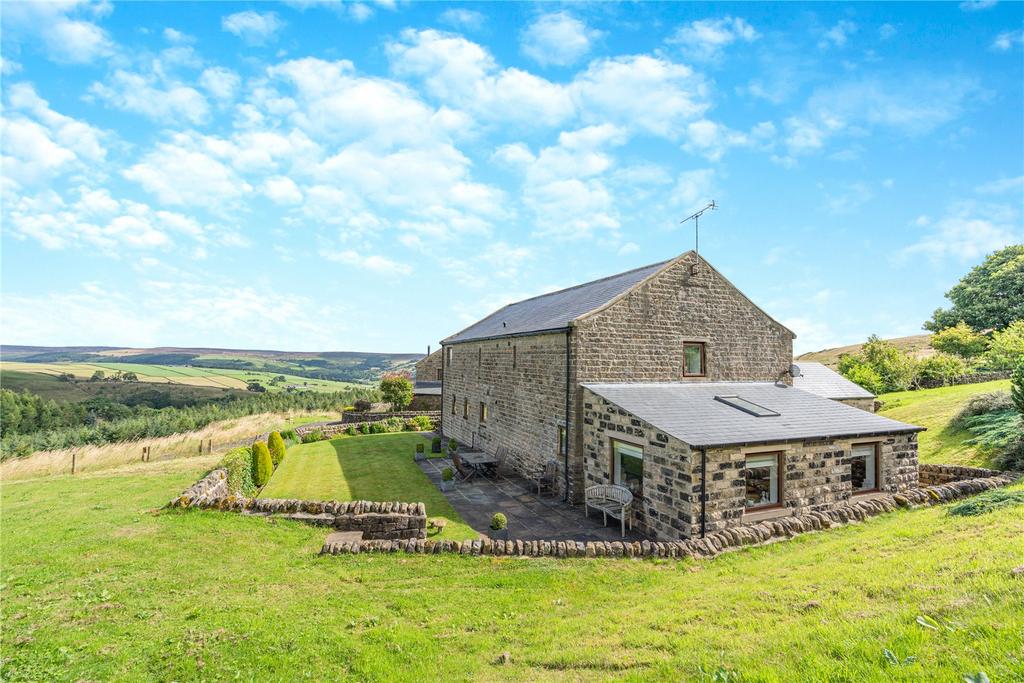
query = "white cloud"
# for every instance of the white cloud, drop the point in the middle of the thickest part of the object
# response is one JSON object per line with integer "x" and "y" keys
{"x": 811, "y": 335}
{"x": 178, "y": 173}
{"x": 967, "y": 232}
{"x": 372, "y": 262}
{"x": 220, "y": 82}
{"x": 1007, "y": 39}
{"x": 463, "y": 18}
{"x": 886, "y": 31}
{"x": 977, "y": 5}
{"x": 557, "y": 39}
{"x": 282, "y": 190}
{"x": 838, "y": 35}
{"x": 1002, "y": 185}
{"x": 706, "y": 39}
{"x": 628, "y": 248}
{"x": 64, "y": 29}
{"x": 152, "y": 96}
{"x": 173, "y": 35}
{"x": 693, "y": 189}
{"x": 255, "y": 28}
{"x": 712, "y": 139}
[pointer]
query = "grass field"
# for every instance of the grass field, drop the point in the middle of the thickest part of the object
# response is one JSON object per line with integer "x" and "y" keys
{"x": 918, "y": 345}
{"x": 170, "y": 374}
{"x": 373, "y": 467}
{"x": 100, "y": 584}
{"x": 49, "y": 387}
{"x": 934, "y": 408}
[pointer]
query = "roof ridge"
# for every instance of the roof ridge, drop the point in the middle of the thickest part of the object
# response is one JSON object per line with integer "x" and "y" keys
{"x": 585, "y": 284}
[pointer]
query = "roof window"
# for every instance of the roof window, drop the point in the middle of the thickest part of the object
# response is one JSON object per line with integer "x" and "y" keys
{"x": 747, "y": 406}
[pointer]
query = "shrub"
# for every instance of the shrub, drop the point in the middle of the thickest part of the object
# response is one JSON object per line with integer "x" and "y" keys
{"x": 994, "y": 431}
{"x": 979, "y": 404}
{"x": 1011, "y": 457}
{"x": 393, "y": 424}
{"x": 238, "y": 463}
{"x": 379, "y": 427}
{"x": 1007, "y": 347}
{"x": 447, "y": 474}
{"x": 987, "y": 502}
{"x": 435, "y": 444}
{"x": 276, "y": 446}
{"x": 960, "y": 340}
{"x": 942, "y": 367}
{"x": 362, "y": 406}
{"x": 499, "y": 521}
{"x": 264, "y": 463}
{"x": 420, "y": 448}
{"x": 396, "y": 389}
{"x": 1017, "y": 387}
{"x": 351, "y": 430}
{"x": 452, "y": 445}
{"x": 420, "y": 423}
{"x": 313, "y": 436}
{"x": 289, "y": 435}
{"x": 865, "y": 376}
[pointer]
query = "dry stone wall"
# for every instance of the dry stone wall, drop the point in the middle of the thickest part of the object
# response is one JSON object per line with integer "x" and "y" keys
{"x": 931, "y": 475}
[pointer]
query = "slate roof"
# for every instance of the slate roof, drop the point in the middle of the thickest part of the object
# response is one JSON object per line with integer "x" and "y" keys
{"x": 690, "y": 412}
{"x": 554, "y": 311}
{"x": 824, "y": 381}
{"x": 426, "y": 388}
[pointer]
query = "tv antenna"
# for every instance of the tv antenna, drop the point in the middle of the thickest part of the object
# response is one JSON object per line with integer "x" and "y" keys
{"x": 696, "y": 231}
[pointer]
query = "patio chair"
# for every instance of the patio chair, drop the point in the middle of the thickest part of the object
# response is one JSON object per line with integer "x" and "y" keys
{"x": 499, "y": 460}
{"x": 545, "y": 477}
{"x": 610, "y": 500}
{"x": 463, "y": 472}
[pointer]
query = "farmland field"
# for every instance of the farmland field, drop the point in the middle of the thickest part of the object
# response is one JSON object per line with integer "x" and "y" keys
{"x": 218, "y": 378}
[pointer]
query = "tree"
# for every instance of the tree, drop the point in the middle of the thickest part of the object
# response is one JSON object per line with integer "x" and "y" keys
{"x": 396, "y": 389}
{"x": 277, "y": 449}
{"x": 991, "y": 296}
{"x": 942, "y": 367}
{"x": 98, "y": 376}
{"x": 896, "y": 369}
{"x": 960, "y": 340}
{"x": 263, "y": 463}
{"x": 1017, "y": 387}
{"x": 255, "y": 387}
{"x": 129, "y": 377}
{"x": 1007, "y": 347}
{"x": 66, "y": 377}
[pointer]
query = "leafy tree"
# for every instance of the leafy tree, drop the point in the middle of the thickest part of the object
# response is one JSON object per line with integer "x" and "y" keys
{"x": 66, "y": 377}
{"x": 1017, "y": 387}
{"x": 990, "y": 296}
{"x": 129, "y": 377}
{"x": 263, "y": 462}
{"x": 942, "y": 367}
{"x": 1007, "y": 347}
{"x": 277, "y": 449}
{"x": 865, "y": 376}
{"x": 255, "y": 387}
{"x": 960, "y": 340}
{"x": 98, "y": 376}
{"x": 396, "y": 389}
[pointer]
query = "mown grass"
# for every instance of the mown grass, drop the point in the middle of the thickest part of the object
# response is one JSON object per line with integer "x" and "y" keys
{"x": 934, "y": 409}
{"x": 373, "y": 467}
{"x": 99, "y": 584}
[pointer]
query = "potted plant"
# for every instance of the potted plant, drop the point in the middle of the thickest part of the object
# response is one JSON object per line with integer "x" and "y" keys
{"x": 447, "y": 479}
{"x": 452, "y": 445}
{"x": 420, "y": 454}
{"x": 499, "y": 526}
{"x": 435, "y": 445}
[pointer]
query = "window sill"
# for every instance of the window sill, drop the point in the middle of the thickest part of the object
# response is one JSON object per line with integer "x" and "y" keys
{"x": 867, "y": 495}
{"x": 765, "y": 513}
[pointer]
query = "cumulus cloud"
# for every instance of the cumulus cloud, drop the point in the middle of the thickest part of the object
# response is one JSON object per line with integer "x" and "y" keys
{"x": 66, "y": 30}
{"x": 462, "y": 18}
{"x": 838, "y": 34}
{"x": 255, "y": 28}
{"x": 152, "y": 96}
{"x": 1002, "y": 185}
{"x": 557, "y": 39}
{"x": 967, "y": 232}
{"x": 1007, "y": 39}
{"x": 220, "y": 82}
{"x": 179, "y": 174}
{"x": 706, "y": 39}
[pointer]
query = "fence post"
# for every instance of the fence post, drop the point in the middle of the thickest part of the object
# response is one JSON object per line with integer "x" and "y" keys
{"x": 73, "y": 454}
{"x": 209, "y": 445}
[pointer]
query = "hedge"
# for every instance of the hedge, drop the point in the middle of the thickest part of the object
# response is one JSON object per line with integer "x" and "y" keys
{"x": 264, "y": 464}
{"x": 239, "y": 464}
{"x": 277, "y": 448}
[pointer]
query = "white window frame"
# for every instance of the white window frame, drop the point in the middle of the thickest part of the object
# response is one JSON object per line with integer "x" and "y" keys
{"x": 617, "y": 460}
{"x": 758, "y": 461}
{"x": 869, "y": 451}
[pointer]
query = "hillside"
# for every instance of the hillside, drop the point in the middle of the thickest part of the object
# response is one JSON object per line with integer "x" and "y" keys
{"x": 337, "y": 366}
{"x": 917, "y": 344}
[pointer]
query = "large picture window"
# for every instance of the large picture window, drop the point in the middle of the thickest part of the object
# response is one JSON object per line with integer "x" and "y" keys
{"x": 693, "y": 359}
{"x": 627, "y": 464}
{"x": 762, "y": 480}
{"x": 864, "y": 468}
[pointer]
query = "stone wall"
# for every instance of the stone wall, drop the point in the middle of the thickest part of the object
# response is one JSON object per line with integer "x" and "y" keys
{"x": 375, "y": 520}
{"x": 352, "y": 416}
{"x": 733, "y": 538}
{"x": 931, "y": 475}
{"x": 428, "y": 368}
{"x": 426, "y": 403}
{"x": 816, "y": 473}
{"x": 973, "y": 378}
{"x": 867, "y": 404}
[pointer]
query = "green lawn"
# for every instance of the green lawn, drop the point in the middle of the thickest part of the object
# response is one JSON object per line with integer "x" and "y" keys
{"x": 99, "y": 584}
{"x": 934, "y": 408}
{"x": 373, "y": 467}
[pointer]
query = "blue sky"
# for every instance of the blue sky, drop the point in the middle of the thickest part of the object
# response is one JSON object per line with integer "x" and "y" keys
{"x": 318, "y": 176}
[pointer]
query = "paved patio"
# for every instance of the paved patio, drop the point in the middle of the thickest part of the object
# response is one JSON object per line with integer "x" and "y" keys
{"x": 530, "y": 517}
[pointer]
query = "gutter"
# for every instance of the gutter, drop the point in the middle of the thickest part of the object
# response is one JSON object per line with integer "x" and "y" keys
{"x": 568, "y": 385}
{"x": 507, "y": 335}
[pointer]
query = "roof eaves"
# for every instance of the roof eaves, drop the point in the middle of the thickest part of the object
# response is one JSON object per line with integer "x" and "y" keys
{"x": 529, "y": 333}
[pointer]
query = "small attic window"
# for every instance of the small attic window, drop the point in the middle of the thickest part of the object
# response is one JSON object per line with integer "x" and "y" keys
{"x": 747, "y": 406}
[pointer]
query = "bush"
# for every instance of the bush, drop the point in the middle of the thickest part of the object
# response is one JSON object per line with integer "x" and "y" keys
{"x": 1007, "y": 347}
{"x": 435, "y": 444}
{"x": 420, "y": 423}
{"x": 239, "y": 464}
{"x": 864, "y": 375}
{"x": 289, "y": 435}
{"x": 364, "y": 428}
{"x": 979, "y": 404}
{"x": 396, "y": 389}
{"x": 277, "y": 448}
{"x": 420, "y": 448}
{"x": 1017, "y": 387}
{"x": 960, "y": 340}
{"x": 447, "y": 474}
{"x": 452, "y": 445}
{"x": 264, "y": 463}
{"x": 313, "y": 436}
{"x": 351, "y": 430}
{"x": 942, "y": 367}
{"x": 1012, "y": 457}
{"x": 362, "y": 406}
{"x": 994, "y": 431}
{"x": 499, "y": 521}
{"x": 987, "y": 502}
{"x": 393, "y": 424}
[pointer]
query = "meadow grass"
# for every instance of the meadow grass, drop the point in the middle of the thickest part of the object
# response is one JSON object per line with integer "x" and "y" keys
{"x": 372, "y": 467}
{"x": 224, "y": 434}
{"x": 934, "y": 409}
{"x": 101, "y": 584}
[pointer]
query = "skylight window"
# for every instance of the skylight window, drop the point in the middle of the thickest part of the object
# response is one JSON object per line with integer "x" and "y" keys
{"x": 747, "y": 406}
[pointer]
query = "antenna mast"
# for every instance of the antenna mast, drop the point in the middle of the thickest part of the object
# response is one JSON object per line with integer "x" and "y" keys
{"x": 696, "y": 231}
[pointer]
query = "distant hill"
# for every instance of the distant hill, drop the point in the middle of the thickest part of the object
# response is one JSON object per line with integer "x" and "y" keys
{"x": 917, "y": 345}
{"x": 340, "y": 366}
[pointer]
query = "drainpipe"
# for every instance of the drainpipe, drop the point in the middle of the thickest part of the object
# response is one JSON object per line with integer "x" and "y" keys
{"x": 440, "y": 423}
{"x": 568, "y": 384}
{"x": 703, "y": 490}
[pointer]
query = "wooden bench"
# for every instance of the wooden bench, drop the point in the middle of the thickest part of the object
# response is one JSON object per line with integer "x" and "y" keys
{"x": 610, "y": 500}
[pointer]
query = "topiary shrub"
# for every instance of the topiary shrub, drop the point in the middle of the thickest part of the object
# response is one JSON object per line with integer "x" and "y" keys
{"x": 499, "y": 521}
{"x": 264, "y": 463}
{"x": 277, "y": 448}
{"x": 351, "y": 430}
{"x": 435, "y": 445}
{"x": 362, "y": 406}
{"x": 452, "y": 445}
{"x": 238, "y": 463}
